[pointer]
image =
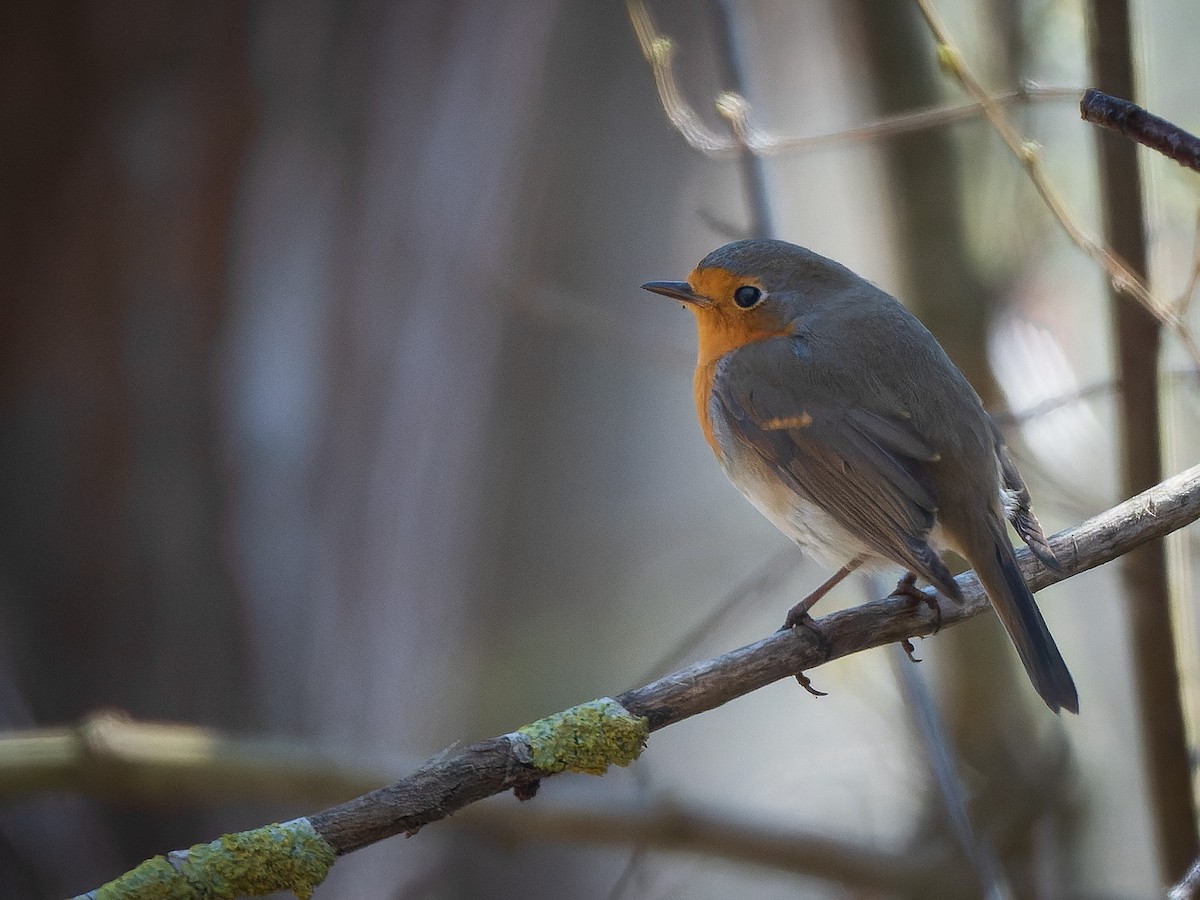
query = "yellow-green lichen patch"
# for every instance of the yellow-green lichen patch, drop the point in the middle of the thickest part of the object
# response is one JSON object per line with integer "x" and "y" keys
{"x": 155, "y": 879}
{"x": 287, "y": 857}
{"x": 587, "y": 738}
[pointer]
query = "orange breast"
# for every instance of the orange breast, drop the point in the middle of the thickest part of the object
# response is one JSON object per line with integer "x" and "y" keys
{"x": 722, "y": 327}
{"x": 702, "y": 384}
{"x": 721, "y": 332}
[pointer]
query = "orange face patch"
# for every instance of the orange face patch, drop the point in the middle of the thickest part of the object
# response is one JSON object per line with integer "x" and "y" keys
{"x": 723, "y": 325}
{"x": 718, "y": 284}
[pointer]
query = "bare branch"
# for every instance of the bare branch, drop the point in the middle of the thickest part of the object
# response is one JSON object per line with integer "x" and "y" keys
{"x": 735, "y": 109}
{"x": 1009, "y": 418}
{"x": 112, "y": 756}
{"x": 1185, "y": 298}
{"x": 709, "y": 684}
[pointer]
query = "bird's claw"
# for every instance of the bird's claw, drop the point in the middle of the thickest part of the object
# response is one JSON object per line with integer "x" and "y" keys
{"x": 806, "y": 683}
{"x": 798, "y": 616}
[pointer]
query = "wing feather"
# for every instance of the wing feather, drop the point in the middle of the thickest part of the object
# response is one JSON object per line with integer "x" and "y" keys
{"x": 867, "y": 466}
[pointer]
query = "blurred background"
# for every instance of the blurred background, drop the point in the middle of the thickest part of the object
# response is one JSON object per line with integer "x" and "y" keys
{"x": 331, "y": 412}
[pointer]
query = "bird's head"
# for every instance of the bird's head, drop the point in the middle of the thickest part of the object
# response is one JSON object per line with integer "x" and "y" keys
{"x": 750, "y": 291}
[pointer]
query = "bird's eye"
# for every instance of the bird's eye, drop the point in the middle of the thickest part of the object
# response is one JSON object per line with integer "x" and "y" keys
{"x": 746, "y": 296}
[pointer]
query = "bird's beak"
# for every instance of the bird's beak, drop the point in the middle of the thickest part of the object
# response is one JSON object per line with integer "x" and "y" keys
{"x": 678, "y": 290}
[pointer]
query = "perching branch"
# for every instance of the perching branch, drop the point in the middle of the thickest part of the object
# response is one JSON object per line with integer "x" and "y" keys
{"x": 589, "y": 737}
{"x": 709, "y": 684}
{"x": 1129, "y": 119}
{"x": 112, "y": 756}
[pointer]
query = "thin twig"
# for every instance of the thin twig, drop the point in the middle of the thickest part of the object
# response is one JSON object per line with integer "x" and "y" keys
{"x": 1131, "y": 120}
{"x": 1185, "y": 298}
{"x": 1010, "y": 418}
{"x": 1029, "y": 155}
{"x": 659, "y": 52}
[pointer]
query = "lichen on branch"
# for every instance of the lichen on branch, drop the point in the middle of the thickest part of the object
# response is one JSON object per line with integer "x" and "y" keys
{"x": 587, "y": 738}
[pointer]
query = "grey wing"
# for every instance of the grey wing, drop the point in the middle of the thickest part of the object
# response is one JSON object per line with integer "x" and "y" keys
{"x": 869, "y": 469}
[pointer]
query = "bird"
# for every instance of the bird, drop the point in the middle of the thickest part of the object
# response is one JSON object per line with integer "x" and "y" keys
{"x": 837, "y": 414}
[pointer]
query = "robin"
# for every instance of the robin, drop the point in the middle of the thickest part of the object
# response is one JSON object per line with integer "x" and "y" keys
{"x": 840, "y": 417}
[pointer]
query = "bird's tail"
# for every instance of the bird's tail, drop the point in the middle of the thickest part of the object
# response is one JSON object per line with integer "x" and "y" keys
{"x": 1023, "y": 621}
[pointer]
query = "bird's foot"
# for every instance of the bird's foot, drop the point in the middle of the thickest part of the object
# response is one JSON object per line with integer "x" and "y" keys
{"x": 909, "y": 650}
{"x": 907, "y": 587}
{"x": 798, "y": 617}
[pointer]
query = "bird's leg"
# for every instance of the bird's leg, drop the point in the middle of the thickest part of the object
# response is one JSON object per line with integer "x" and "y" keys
{"x": 798, "y": 614}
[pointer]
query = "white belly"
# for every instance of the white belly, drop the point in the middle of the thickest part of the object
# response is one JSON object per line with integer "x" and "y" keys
{"x": 813, "y": 529}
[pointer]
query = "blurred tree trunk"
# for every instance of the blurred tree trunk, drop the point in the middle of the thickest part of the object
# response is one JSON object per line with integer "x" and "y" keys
{"x": 125, "y": 132}
{"x": 373, "y": 260}
{"x": 125, "y": 142}
{"x": 378, "y": 225}
{"x": 1168, "y": 763}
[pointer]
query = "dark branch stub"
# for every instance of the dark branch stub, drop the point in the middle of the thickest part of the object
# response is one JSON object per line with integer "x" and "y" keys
{"x": 1139, "y": 125}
